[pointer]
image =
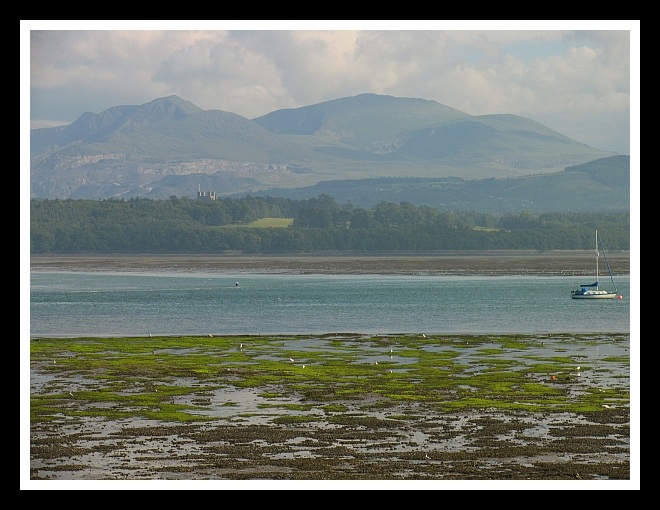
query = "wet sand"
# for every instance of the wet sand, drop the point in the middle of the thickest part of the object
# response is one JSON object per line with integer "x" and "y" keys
{"x": 495, "y": 263}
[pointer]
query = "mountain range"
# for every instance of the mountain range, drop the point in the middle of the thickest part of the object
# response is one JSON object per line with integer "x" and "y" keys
{"x": 354, "y": 149}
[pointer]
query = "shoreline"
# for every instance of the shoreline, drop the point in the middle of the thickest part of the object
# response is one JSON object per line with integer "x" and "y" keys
{"x": 494, "y": 263}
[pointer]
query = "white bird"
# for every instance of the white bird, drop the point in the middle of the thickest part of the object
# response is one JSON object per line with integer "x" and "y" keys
{"x": 210, "y": 335}
{"x": 71, "y": 394}
{"x": 376, "y": 363}
{"x": 423, "y": 335}
{"x": 606, "y": 406}
{"x": 291, "y": 359}
{"x": 578, "y": 369}
{"x": 241, "y": 346}
{"x": 426, "y": 456}
{"x": 303, "y": 366}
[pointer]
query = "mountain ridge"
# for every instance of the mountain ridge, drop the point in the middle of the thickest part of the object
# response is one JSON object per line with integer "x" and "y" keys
{"x": 597, "y": 186}
{"x": 127, "y": 151}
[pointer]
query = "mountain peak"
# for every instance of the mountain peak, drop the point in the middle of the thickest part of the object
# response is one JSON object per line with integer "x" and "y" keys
{"x": 165, "y": 108}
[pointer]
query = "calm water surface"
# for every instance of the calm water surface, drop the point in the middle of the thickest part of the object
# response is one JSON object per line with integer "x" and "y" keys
{"x": 138, "y": 304}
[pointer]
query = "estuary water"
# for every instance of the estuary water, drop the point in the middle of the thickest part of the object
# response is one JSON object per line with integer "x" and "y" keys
{"x": 81, "y": 304}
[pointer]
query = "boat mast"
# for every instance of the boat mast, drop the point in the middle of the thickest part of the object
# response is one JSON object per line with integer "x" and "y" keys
{"x": 597, "y": 259}
{"x": 609, "y": 269}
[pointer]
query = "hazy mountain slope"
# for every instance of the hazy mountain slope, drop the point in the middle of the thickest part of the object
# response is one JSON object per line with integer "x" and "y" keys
{"x": 98, "y": 128}
{"x": 126, "y": 151}
{"x": 424, "y": 138}
{"x": 601, "y": 185}
{"x": 385, "y": 116}
{"x": 163, "y": 130}
{"x": 614, "y": 171}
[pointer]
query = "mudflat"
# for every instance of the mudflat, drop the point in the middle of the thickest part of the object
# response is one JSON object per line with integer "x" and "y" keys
{"x": 332, "y": 407}
{"x": 495, "y": 263}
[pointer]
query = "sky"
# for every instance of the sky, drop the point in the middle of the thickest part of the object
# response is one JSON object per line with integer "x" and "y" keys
{"x": 578, "y": 78}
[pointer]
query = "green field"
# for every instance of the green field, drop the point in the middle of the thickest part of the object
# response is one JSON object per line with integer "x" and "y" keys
{"x": 264, "y": 223}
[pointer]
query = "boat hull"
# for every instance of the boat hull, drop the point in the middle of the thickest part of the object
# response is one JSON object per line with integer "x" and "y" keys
{"x": 594, "y": 295}
{"x": 592, "y": 290}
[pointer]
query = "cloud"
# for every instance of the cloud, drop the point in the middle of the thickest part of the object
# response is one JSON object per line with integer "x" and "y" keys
{"x": 576, "y": 82}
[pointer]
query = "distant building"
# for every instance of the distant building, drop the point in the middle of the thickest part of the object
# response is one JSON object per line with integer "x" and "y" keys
{"x": 206, "y": 195}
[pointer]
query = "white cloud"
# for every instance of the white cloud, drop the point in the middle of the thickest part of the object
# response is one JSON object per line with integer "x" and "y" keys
{"x": 574, "y": 81}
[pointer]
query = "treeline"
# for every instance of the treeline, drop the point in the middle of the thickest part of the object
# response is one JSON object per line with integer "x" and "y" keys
{"x": 183, "y": 225}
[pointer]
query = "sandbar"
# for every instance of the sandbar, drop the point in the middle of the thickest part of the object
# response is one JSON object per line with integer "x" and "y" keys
{"x": 495, "y": 263}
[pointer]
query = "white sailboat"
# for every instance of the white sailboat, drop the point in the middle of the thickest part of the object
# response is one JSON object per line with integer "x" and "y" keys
{"x": 593, "y": 290}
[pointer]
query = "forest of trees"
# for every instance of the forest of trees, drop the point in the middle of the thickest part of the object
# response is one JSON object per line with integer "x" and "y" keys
{"x": 183, "y": 225}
